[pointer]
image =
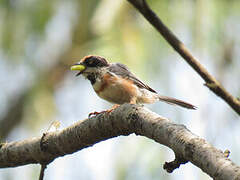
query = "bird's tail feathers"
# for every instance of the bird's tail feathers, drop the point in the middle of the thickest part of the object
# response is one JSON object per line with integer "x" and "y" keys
{"x": 178, "y": 102}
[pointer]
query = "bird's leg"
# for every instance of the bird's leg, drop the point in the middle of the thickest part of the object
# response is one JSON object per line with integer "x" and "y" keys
{"x": 133, "y": 101}
{"x": 113, "y": 107}
{"x": 106, "y": 111}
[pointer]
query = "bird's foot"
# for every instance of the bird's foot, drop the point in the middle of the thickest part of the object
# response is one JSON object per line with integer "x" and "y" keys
{"x": 106, "y": 111}
{"x": 95, "y": 113}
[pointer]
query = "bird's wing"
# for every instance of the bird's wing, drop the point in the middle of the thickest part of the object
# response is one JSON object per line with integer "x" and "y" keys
{"x": 123, "y": 71}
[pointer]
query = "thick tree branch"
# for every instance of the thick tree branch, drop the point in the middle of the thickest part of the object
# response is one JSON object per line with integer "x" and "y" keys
{"x": 168, "y": 35}
{"x": 124, "y": 120}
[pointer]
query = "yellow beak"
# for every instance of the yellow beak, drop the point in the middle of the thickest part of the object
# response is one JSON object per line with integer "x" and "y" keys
{"x": 78, "y": 67}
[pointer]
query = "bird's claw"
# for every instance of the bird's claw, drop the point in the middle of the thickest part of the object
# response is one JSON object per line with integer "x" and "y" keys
{"x": 106, "y": 111}
{"x": 94, "y": 113}
{"x": 97, "y": 113}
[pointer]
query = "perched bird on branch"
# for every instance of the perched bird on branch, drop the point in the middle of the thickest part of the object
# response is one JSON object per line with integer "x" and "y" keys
{"x": 116, "y": 84}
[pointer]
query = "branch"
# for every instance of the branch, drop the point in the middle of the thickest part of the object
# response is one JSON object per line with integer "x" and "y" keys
{"x": 14, "y": 114}
{"x": 124, "y": 120}
{"x": 168, "y": 35}
{"x": 43, "y": 167}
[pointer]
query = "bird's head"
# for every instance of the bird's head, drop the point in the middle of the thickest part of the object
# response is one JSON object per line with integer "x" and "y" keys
{"x": 90, "y": 65}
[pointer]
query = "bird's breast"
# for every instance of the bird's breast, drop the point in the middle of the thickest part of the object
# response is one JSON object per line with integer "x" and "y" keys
{"x": 115, "y": 89}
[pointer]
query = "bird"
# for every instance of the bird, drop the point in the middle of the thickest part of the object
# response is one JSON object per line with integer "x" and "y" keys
{"x": 115, "y": 83}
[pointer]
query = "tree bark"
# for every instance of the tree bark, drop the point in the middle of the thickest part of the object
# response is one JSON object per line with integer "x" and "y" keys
{"x": 124, "y": 120}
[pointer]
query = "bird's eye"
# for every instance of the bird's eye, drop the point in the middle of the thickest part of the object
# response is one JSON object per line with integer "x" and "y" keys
{"x": 90, "y": 62}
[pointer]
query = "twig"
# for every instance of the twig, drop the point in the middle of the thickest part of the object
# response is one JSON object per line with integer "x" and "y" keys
{"x": 171, "y": 166}
{"x": 43, "y": 167}
{"x": 168, "y": 35}
{"x": 124, "y": 120}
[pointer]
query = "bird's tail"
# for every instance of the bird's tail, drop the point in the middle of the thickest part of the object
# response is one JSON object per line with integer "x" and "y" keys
{"x": 174, "y": 101}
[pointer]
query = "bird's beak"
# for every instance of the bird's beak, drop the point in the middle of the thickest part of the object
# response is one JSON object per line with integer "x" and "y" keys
{"x": 78, "y": 67}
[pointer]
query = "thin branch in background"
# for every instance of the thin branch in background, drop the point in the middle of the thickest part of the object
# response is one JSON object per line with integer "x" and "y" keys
{"x": 13, "y": 116}
{"x": 124, "y": 120}
{"x": 168, "y": 35}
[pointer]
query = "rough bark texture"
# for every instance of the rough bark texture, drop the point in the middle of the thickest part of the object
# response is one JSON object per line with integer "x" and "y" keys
{"x": 124, "y": 120}
{"x": 168, "y": 35}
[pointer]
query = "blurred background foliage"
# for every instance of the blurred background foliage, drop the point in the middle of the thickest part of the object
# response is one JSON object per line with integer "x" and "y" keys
{"x": 40, "y": 39}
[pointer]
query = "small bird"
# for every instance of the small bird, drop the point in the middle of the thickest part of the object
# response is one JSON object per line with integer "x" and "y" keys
{"x": 116, "y": 84}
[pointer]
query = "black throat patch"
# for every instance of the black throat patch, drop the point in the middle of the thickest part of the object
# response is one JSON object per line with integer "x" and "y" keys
{"x": 92, "y": 78}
